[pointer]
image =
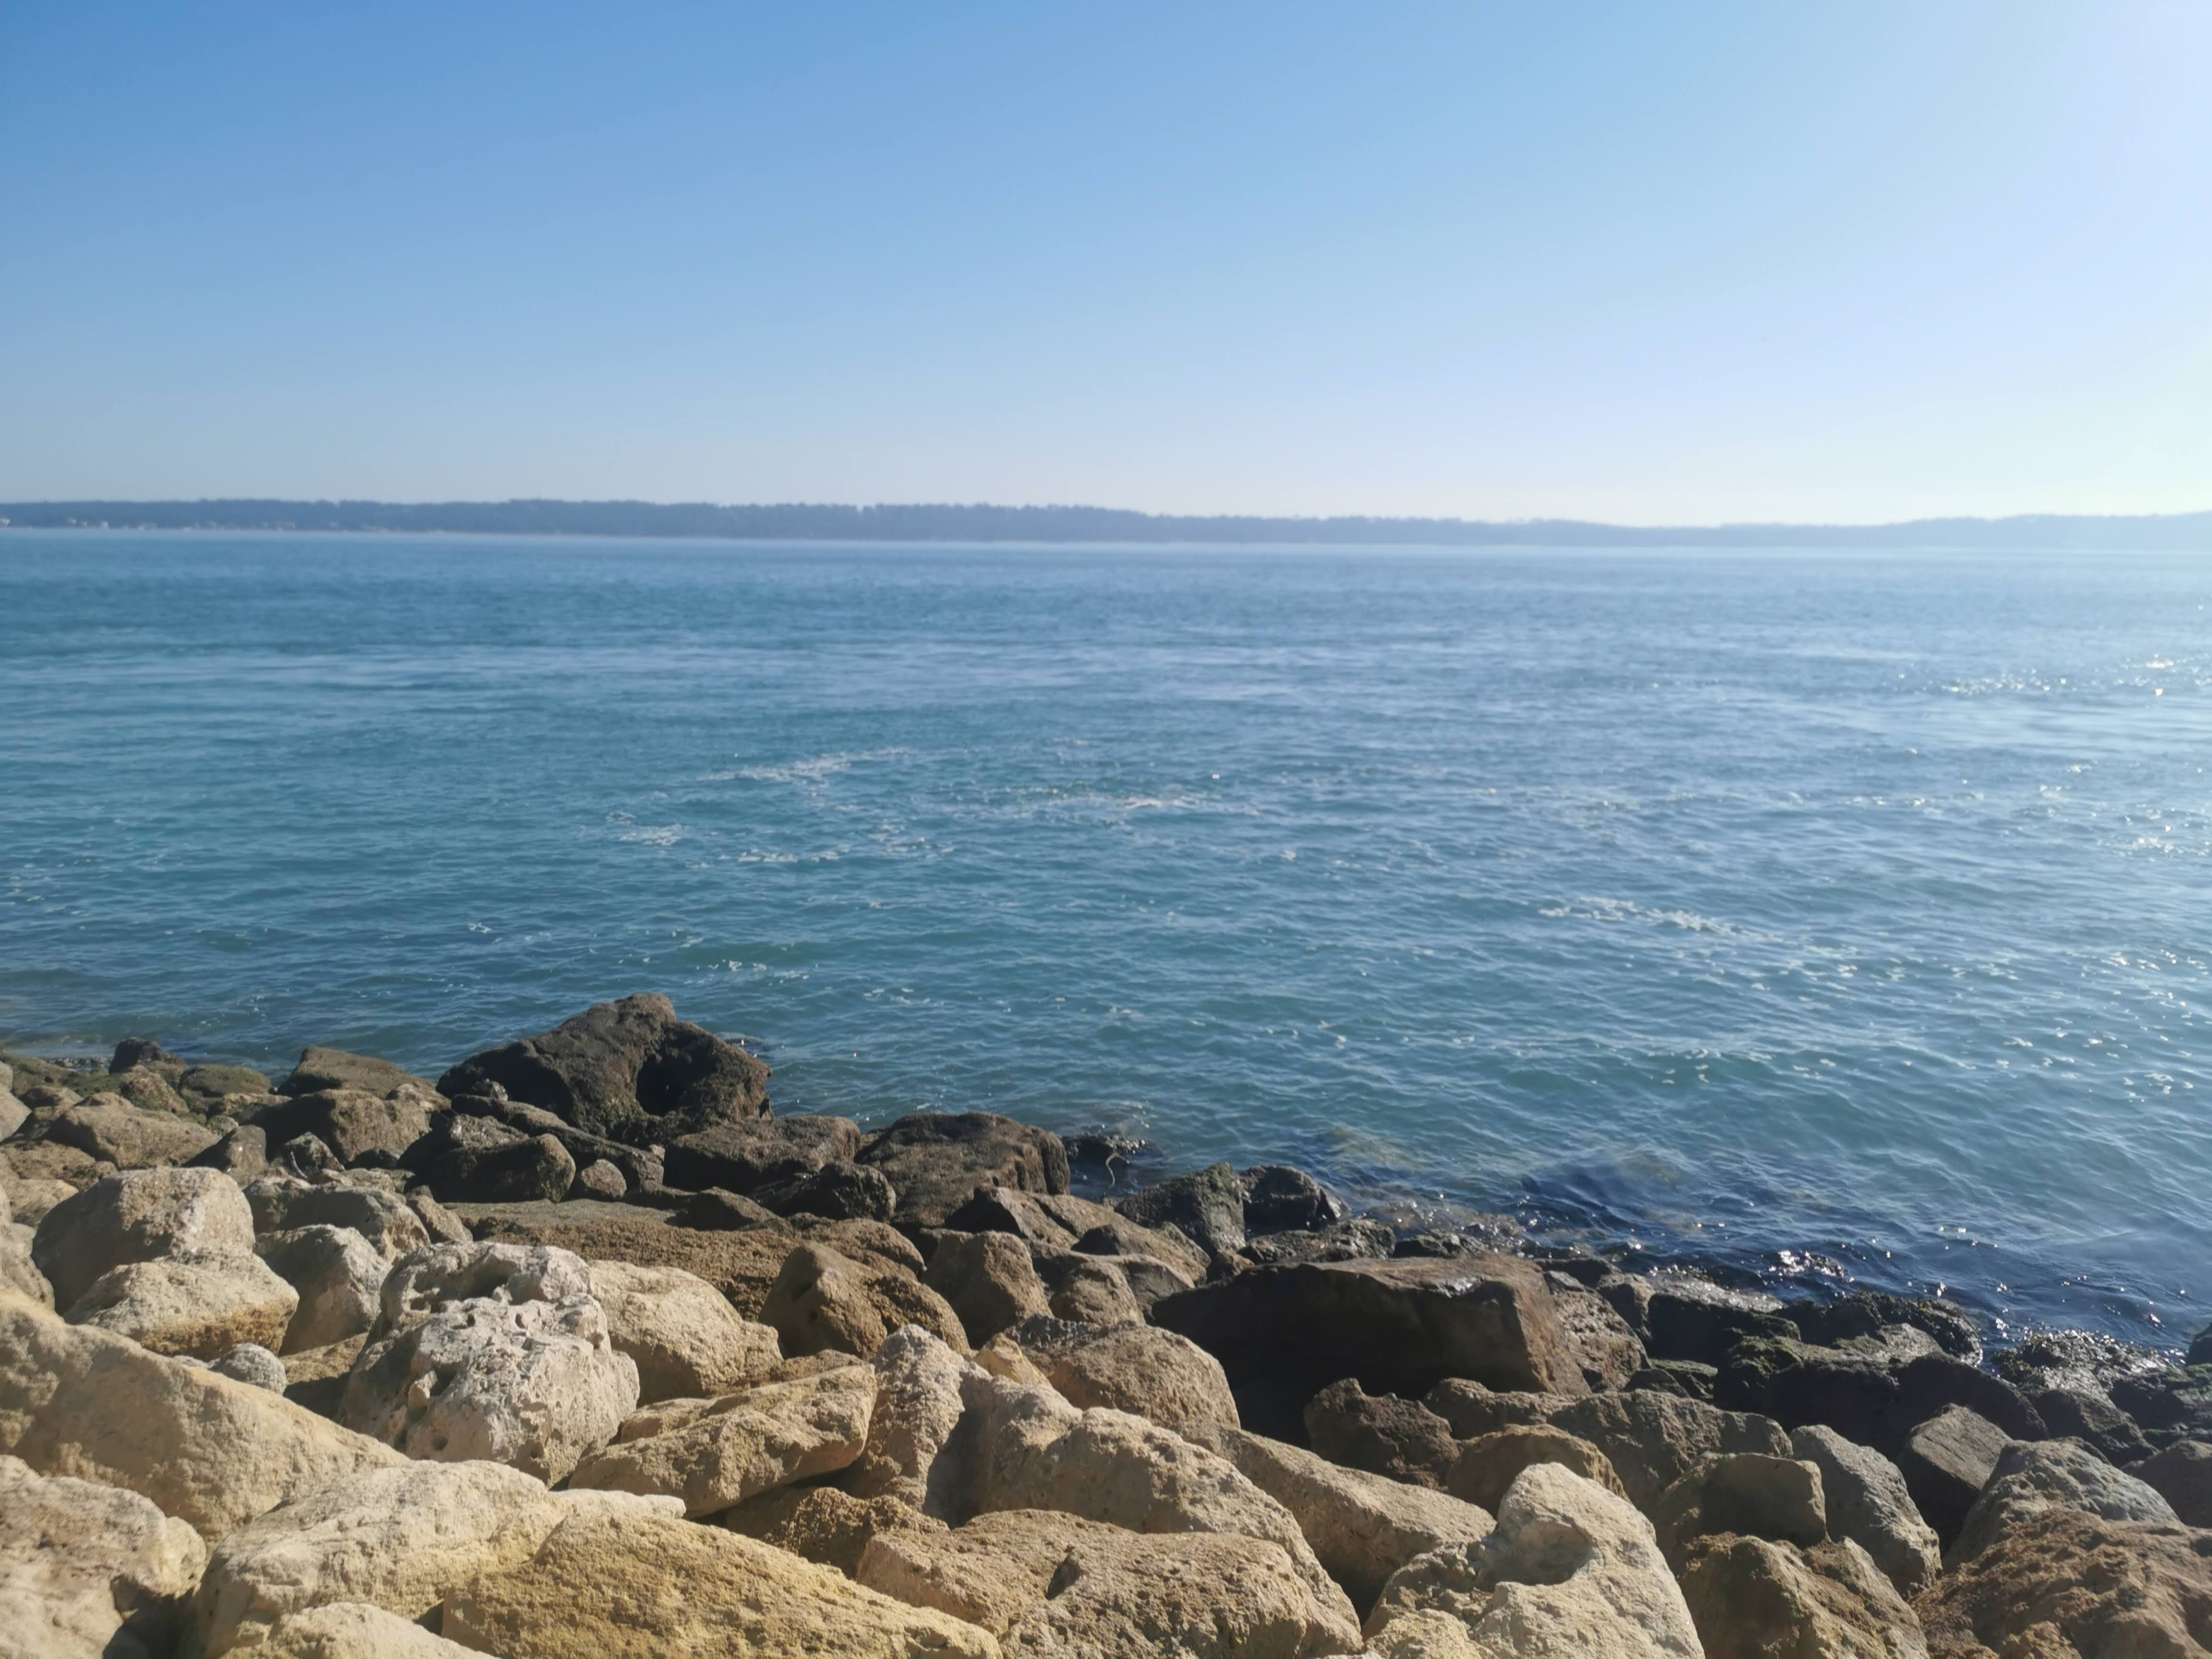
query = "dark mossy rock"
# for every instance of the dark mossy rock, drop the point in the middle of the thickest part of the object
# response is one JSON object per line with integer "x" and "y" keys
{"x": 936, "y": 1161}
{"x": 1207, "y": 1207}
{"x": 142, "y": 1051}
{"x": 1947, "y": 1460}
{"x": 627, "y": 1070}
{"x": 210, "y": 1083}
{"x": 1359, "y": 1239}
{"x": 1679, "y": 1317}
{"x": 1278, "y": 1198}
{"x": 843, "y": 1192}
{"x": 739, "y": 1157}
{"x": 1685, "y": 1377}
{"x": 2092, "y": 1417}
{"x": 2169, "y": 1406}
{"x": 1866, "y": 1315}
{"x": 1865, "y": 1397}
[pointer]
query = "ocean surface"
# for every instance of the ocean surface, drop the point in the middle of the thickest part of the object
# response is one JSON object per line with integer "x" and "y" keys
{"x": 1834, "y": 917}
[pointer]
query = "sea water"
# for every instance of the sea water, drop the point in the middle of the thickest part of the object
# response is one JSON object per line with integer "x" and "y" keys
{"x": 1835, "y": 917}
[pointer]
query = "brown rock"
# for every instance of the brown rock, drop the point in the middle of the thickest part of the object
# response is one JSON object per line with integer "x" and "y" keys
{"x": 50, "y": 1160}
{"x": 1653, "y": 1440}
{"x": 1599, "y": 1338}
{"x": 321, "y": 1069}
{"x": 1155, "y": 1374}
{"x": 2182, "y": 1474}
{"x": 350, "y": 1121}
{"x": 111, "y": 1129}
{"x": 822, "y": 1524}
{"x": 819, "y": 1300}
{"x": 1754, "y": 1599}
{"x": 1773, "y": 1497}
{"x": 1489, "y": 1464}
{"x": 663, "y": 1587}
{"x": 988, "y": 1280}
{"x": 1472, "y": 1409}
{"x": 2064, "y": 1583}
{"x": 1382, "y": 1434}
{"x": 936, "y": 1160}
{"x": 743, "y": 1155}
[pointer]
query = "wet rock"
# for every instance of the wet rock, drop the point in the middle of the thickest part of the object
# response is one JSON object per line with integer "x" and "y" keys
{"x": 1947, "y": 1462}
{"x": 1360, "y": 1239}
{"x": 1278, "y": 1198}
{"x": 820, "y": 1301}
{"x": 214, "y": 1453}
{"x": 685, "y": 1338}
{"x": 139, "y": 1215}
{"x": 339, "y": 1276}
{"x": 1746, "y": 1493}
{"x": 1399, "y": 1327}
{"x": 2064, "y": 1581}
{"x": 1684, "y": 1376}
{"x": 109, "y": 1128}
{"x": 1207, "y": 1208}
{"x": 1051, "y": 1583}
{"x": 1752, "y": 1598}
{"x": 746, "y": 1443}
{"x": 1868, "y": 1503}
{"x": 2182, "y": 1474}
{"x": 841, "y": 1191}
{"x": 89, "y": 1570}
{"x": 989, "y": 1281}
{"x": 2092, "y": 1417}
{"x": 1154, "y": 1374}
{"x": 1570, "y": 1569}
{"x": 739, "y": 1157}
{"x": 1488, "y": 1465}
{"x": 2030, "y": 1477}
{"x": 627, "y": 1070}
{"x": 1653, "y": 1440}
{"x": 1401, "y": 1439}
{"x": 1869, "y": 1317}
{"x": 667, "y": 1587}
{"x": 1677, "y": 1316}
{"x": 205, "y": 1086}
{"x": 1362, "y": 1526}
{"x": 936, "y": 1161}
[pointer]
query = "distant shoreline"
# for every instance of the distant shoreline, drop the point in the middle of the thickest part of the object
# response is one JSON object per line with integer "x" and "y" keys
{"x": 1079, "y": 525}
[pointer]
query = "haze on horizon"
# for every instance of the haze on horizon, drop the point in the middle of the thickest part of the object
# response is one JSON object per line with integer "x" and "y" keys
{"x": 1698, "y": 264}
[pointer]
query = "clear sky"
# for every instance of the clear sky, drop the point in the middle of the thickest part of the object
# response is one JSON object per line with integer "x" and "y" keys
{"x": 1652, "y": 262}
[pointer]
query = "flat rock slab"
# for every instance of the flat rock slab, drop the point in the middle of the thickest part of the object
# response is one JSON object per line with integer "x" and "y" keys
{"x": 1400, "y": 1327}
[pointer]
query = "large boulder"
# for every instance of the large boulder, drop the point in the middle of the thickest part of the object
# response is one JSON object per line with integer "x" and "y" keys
{"x": 386, "y": 1219}
{"x": 1362, "y": 1526}
{"x": 1489, "y": 1464}
{"x": 499, "y": 1166}
{"x": 139, "y": 1215}
{"x": 397, "y": 1538}
{"x": 1400, "y": 1327}
{"x": 1748, "y": 1492}
{"x": 1051, "y": 1583}
{"x": 1278, "y": 1198}
{"x": 989, "y": 1281}
{"x": 1652, "y": 1439}
{"x": 1754, "y": 1598}
{"x": 2064, "y": 1582}
{"x": 199, "y": 1305}
{"x": 936, "y": 1161}
{"x": 111, "y": 1129}
{"x": 819, "y": 1302}
{"x": 919, "y": 1405}
{"x": 1571, "y": 1570}
{"x": 686, "y": 1338}
{"x": 339, "y": 1276}
{"x": 746, "y": 1443}
{"x": 351, "y": 1122}
{"x": 82, "y": 1401}
{"x": 2032, "y": 1476}
{"x": 2182, "y": 1474}
{"x": 1140, "y": 1369}
{"x": 1947, "y": 1462}
{"x": 89, "y": 1571}
{"x": 745, "y": 1154}
{"x": 660, "y": 1587}
{"x": 627, "y": 1070}
{"x": 322, "y": 1069}
{"x": 1027, "y": 1449}
{"x": 1868, "y": 1504}
{"x": 1208, "y": 1207}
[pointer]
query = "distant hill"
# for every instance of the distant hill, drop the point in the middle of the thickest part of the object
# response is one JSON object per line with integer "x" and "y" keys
{"x": 804, "y": 522}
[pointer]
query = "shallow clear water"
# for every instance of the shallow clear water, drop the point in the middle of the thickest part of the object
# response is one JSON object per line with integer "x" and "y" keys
{"x": 1819, "y": 915}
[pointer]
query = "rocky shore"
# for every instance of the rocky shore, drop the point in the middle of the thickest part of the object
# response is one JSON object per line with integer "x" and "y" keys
{"x": 579, "y": 1349}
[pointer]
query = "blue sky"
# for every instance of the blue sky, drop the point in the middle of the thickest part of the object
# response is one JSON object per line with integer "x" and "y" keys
{"x": 1647, "y": 263}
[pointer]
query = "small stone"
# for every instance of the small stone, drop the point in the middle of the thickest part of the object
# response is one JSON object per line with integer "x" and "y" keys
{"x": 600, "y": 1179}
{"x": 251, "y": 1364}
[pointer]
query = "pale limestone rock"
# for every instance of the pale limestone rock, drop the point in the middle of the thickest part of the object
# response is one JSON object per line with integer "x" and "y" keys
{"x": 18, "y": 1272}
{"x": 746, "y": 1443}
{"x": 1868, "y": 1504}
{"x": 1755, "y": 1597}
{"x": 1141, "y": 1368}
{"x": 602, "y": 1589}
{"x": 253, "y": 1365}
{"x": 339, "y": 1276}
{"x": 1362, "y": 1526}
{"x": 437, "y": 1275}
{"x": 1045, "y": 1583}
{"x": 35, "y": 1197}
{"x": 386, "y": 1219}
{"x": 140, "y": 1215}
{"x": 88, "y": 1570}
{"x": 2054, "y": 1474}
{"x": 197, "y": 1304}
{"x": 684, "y": 1335}
{"x": 78, "y": 1400}
{"x": 1571, "y": 1571}
{"x": 110, "y": 1128}
{"x": 397, "y": 1538}
{"x": 918, "y": 1406}
{"x": 353, "y": 1630}
{"x": 537, "y": 1385}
